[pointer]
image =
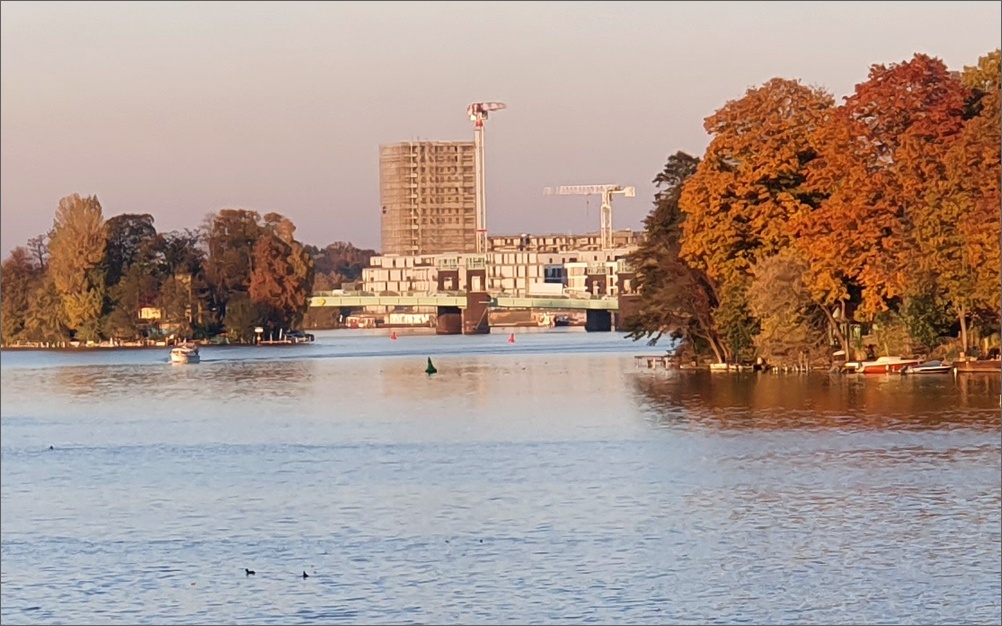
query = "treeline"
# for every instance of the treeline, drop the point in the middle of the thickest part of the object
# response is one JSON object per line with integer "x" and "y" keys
{"x": 91, "y": 279}
{"x": 803, "y": 219}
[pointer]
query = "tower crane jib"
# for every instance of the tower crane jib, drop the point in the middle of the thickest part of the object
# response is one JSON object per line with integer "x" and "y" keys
{"x": 606, "y": 191}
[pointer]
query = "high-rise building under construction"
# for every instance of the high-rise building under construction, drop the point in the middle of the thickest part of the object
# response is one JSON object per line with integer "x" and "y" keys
{"x": 427, "y": 190}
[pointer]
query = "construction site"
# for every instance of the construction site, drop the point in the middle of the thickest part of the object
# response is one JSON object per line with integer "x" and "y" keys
{"x": 428, "y": 195}
{"x": 433, "y": 228}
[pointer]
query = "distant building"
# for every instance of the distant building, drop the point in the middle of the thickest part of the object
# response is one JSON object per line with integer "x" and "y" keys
{"x": 427, "y": 195}
{"x": 554, "y": 265}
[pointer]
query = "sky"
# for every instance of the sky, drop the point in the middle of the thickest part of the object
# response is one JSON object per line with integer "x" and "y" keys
{"x": 179, "y": 109}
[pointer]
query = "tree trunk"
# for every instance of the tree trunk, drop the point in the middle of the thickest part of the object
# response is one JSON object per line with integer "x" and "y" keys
{"x": 714, "y": 344}
{"x": 837, "y": 329}
{"x": 962, "y": 314}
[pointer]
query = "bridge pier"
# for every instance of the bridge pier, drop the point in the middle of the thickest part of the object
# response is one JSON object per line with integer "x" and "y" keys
{"x": 628, "y": 307}
{"x": 598, "y": 321}
{"x": 475, "y": 316}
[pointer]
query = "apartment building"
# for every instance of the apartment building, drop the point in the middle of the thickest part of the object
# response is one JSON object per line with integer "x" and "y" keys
{"x": 507, "y": 270}
{"x": 427, "y": 195}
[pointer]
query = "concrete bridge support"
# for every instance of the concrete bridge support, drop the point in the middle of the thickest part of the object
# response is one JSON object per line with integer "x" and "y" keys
{"x": 629, "y": 306}
{"x": 598, "y": 321}
{"x": 476, "y": 319}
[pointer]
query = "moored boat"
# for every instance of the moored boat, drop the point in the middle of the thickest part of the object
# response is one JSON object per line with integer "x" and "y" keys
{"x": 928, "y": 367}
{"x": 880, "y": 365}
{"x": 184, "y": 353}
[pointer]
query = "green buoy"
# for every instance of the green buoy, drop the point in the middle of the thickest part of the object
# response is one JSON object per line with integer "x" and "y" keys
{"x": 431, "y": 368}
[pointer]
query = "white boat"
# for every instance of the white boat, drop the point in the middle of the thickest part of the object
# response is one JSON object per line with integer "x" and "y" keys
{"x": 929, "y": 367}
{"x": 185, "y": 353}
{"x": 880, "y": 365}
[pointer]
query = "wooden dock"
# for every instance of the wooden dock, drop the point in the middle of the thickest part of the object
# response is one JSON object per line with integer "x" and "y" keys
{"x": 654, "y": 361}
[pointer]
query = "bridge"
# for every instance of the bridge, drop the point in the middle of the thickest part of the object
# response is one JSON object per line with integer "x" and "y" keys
{"x": 466, "y": 312}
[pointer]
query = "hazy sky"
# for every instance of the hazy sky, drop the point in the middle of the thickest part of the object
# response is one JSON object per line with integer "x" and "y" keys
{"x": 179, "y": 109}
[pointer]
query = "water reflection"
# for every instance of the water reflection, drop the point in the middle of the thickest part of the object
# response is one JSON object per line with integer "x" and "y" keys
{"x": 103, "y": 383}
{"x": 768, "y": 401}
{"x": 523, "y": 483}
{"x": 486, "y": 380}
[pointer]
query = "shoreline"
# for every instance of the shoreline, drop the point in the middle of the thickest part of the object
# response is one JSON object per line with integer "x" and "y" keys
{"x": 123, "y": 348}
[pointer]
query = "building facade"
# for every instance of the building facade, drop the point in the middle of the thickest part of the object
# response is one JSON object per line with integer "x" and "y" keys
{"x": 523, "y": 265}
{"x": 427, "y": 193}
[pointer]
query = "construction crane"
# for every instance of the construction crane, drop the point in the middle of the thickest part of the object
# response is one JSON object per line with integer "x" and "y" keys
{"x": 478, "y": 115}
{"x": 606, "y": 191}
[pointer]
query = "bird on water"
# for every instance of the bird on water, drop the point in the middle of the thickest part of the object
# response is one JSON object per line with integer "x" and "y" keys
{"x": 249, "y": 572}
{"x": 305, "y": 575}
{"x": 431, "y": 368}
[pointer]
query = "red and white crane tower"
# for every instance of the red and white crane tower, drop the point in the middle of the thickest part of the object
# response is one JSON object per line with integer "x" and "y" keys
{"x": 478, "y": 115}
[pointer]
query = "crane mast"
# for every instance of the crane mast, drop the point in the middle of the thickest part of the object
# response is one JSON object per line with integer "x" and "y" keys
{"x": 478, "y": 112}
{"x": 605, "y": 215}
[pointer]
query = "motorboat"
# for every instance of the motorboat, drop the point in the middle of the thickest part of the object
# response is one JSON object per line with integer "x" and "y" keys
{"x": 184, "y": 353}
{"x": 880, "y": 365}
{"x": 928, "y": 367}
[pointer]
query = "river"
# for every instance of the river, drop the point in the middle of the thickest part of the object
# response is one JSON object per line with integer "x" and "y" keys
{"x": 547, "y": 480}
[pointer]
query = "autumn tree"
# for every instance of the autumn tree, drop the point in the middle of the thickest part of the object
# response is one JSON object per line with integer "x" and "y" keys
{"x": 76, "y": 256}
{"x": 675, "y": 299}
{"x": 45, "y": 321}
{"x": 282, "y": 278}
{"x": 749, "y": 186}
{"x": 956, "y": 232}
{"x": 38, "y": 247}
{"x": 18, "y": 276}
{"x": 230, "y": 236}
{"x": 879, "y": 155}
{"x": 791, "y": 325}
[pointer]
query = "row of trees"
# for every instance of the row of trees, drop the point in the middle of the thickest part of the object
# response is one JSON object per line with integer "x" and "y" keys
{"x": 802, "y": 216}
{"x": 90, "y": 279}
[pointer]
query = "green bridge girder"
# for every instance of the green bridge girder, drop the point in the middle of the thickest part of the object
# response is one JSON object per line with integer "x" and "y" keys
{"x": 459, "y": 300}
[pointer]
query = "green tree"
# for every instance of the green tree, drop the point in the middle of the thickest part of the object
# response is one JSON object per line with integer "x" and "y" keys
{"x": 230, "y": 236}
{"x": 338, "y": 263}
{"x": 131, "y": 240}
{"x": 185, "y": 297}
{"x": 18, "y": 277}
{"x": 178, "y": 303}
{"x": 45, "y": 319}
{"x": 242, "y": 316}
{"x": 135, "y": 289}
{"x": 76, "y": 249}
{"x": 791, "y": 324}
{"x": 675, "y": 299}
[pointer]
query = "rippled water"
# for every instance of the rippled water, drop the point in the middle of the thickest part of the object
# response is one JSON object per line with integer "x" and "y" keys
{"x": 546, "y": 481}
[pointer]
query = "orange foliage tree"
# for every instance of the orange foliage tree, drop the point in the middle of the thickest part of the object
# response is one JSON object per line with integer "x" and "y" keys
{"x": 282, "y": 274}
{"x": 957, "y": 232}
{"x": 879, "y": 156}
{"x": 747, "y": 188}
